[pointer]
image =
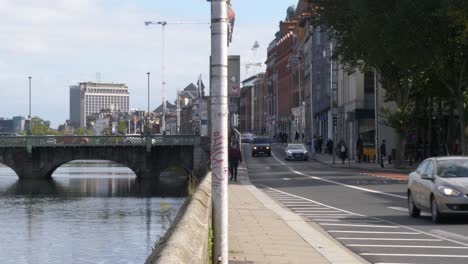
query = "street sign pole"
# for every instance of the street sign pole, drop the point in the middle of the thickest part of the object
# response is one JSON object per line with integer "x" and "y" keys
{"x": 219, "y": 133}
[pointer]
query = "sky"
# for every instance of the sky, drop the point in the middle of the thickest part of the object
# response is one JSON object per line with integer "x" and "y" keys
{"x": 63, "y": 42}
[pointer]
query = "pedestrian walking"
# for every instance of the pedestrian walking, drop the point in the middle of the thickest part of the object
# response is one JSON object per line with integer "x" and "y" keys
{"x": 342, "y": 150}
{"x": 359, "y": 149}
{"x": 320, "y": 144}
{"x": 383, "y": 153}
{"x": 329, "y": 147}
{"x": 296, "y": 137}
{"x": 234, "y": 158}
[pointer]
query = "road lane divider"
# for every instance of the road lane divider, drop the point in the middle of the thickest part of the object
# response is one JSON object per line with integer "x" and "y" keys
{"x": 338, "y": 183}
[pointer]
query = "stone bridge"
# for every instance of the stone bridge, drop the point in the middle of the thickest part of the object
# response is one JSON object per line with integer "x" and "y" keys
{"x": 147, "y": 156}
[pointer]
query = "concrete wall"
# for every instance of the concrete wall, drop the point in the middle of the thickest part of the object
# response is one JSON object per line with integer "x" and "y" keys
{"x": 187, "y": 239}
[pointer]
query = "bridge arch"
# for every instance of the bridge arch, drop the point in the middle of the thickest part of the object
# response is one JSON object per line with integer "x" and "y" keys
{"x": 54, "y": 168}
{"x": 39, "y": 157}
{"x": 41, "y": 162}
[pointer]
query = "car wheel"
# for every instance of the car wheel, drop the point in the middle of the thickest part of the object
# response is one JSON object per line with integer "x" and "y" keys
{"x": 412, "y": 209}
{"x": 436, "y": 216}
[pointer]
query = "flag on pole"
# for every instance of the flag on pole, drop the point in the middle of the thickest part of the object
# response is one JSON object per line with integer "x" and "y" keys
{"x": 232, "y": 19}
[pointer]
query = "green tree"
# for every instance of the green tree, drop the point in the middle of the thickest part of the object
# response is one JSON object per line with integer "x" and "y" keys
{"x": 389, "y": 36}
{"x": 122, "y": 128}
{"x": 449, "y": 45}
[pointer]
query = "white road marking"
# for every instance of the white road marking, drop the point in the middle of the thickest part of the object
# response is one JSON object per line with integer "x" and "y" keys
{"x": 414, "y": 255}
{"x": 402, "y": 209}
{"x": 355, "y": 225}
{"x": 448, "y": 234}
{"x": 338, "y": 183}
{"x": 404, "y": 246}
{"x": 372, "y": 232}
{"x": 380, "y": 219}
{"x": 320, "y": 214}
{"x": 398, "y": 208}
{"x": 297, "y": 202}
{"x": 392, "y": 263}
{"x": 325, "y": 216}
{"x": 389, "y": 239}
{"x": 312, "y": 201}
{"x": 286, "y": 179}
{"x": 348, "y": 221}
{"x": 305, "y": 210}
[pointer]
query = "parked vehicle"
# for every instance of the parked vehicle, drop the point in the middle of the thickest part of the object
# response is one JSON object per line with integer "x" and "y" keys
{"x": 261, "y": 146}
{"x": 296, "y": 152}
{"x": 439, "y": 186}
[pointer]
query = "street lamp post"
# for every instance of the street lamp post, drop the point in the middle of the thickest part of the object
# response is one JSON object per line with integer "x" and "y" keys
{"x": 163, "y": 70}
{"x": 29, "y": 116}
{"x": 148, "y": 74}
{"x": 148, "y": 113}
{"x": 219, "y": 133}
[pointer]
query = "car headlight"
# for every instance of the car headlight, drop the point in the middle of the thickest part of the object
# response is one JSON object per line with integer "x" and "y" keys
{"x": 267, "y": 147}
{"x": 255, "y": 147}
{"x": 289, "y": 152}
{"x": 448, "y": 191}
{"x": 305, "y": 152}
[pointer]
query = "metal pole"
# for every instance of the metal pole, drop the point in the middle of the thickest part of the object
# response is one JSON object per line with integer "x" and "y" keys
{"x": 148, "y": 92}
{"x": 376, "y": 113}
{"x": 29, "y": 97}
{"x": 312, "y": 150}
{"x": 30, "y": 116}
{"x": 178, "y": 112}
{"x": 163, "y": 73}
{"x": 331, "y": 102}
{"x": 219, "y": 133}
{"x": 148, "y": 113}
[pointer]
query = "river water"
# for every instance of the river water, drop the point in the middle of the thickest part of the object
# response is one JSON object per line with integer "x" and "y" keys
{"x": 90, "y": 212}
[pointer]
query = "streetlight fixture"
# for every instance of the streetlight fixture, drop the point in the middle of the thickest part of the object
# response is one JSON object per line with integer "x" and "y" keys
{"x": 163, "y": 69}
{"x": 148, "y": 112}
{"x": 29, "y": 131}
{"x": 163, "y": 65}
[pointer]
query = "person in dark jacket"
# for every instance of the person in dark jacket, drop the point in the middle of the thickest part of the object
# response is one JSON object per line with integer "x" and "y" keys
{"x": 359, "y": 149}
{"x": 383, "y": 153}
{"x": 234, "y": 158}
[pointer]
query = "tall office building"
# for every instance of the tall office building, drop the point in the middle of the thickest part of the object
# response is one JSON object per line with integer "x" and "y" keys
{"x": 90, "y": 98}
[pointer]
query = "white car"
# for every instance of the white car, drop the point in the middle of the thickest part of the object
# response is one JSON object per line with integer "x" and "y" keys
{"x": 247, "y": 138}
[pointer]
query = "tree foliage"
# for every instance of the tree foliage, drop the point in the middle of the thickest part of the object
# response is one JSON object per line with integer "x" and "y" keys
{"x": 417, "y": 48}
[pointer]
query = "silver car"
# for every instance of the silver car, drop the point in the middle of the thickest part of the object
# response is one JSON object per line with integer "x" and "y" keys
{"x": 439, "y": 186}
{"x": 296, "y": 152}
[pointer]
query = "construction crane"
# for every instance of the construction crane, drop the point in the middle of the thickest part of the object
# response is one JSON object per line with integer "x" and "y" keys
{"x": 255, "y": 63}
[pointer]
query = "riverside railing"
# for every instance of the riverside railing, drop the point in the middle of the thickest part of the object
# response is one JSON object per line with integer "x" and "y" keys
{"x": 91, "y": 141}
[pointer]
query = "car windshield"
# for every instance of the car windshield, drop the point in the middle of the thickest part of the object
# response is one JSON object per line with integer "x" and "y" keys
{"x": 261, "y": 140}
{"x": 455, "y": 168}
{"x": 298, "y": 146}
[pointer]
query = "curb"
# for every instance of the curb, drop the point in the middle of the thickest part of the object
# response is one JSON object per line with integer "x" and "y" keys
{"x": 360, "y": 168}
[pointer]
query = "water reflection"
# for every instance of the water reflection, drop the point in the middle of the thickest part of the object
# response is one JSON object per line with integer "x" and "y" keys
{"x": 88, "y": 213}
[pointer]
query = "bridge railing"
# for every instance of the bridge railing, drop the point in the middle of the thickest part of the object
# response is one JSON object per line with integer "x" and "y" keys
{"x": 58, "y": 141}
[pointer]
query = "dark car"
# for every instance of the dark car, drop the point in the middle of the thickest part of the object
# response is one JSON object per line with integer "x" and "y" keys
{"x": 261, "y": 146}
{"x": 439, "y": 186}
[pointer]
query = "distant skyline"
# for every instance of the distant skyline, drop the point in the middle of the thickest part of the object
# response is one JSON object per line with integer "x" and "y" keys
{"x": 61, "y": 43}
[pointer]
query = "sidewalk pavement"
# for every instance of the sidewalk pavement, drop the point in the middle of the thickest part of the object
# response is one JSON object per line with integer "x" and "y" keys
{"x": 371, "y": 166}
{"x": 262, "y": 231}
